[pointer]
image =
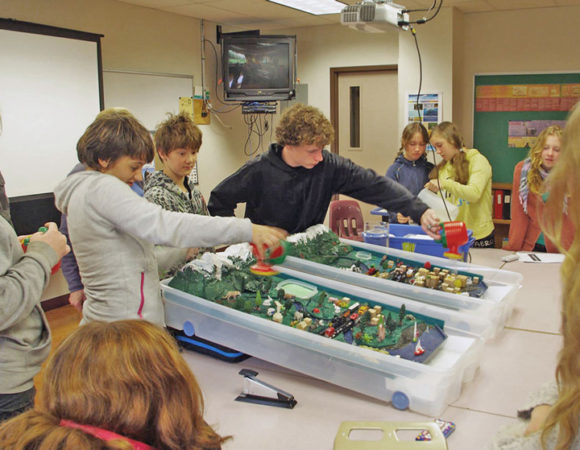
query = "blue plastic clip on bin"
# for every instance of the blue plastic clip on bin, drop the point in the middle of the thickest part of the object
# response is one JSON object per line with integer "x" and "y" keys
{"x": 397, "y": 239}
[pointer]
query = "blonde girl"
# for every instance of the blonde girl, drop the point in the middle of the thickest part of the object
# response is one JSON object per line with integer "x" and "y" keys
{"x": 528, "y": 191}
{"x": 552, "y": 417}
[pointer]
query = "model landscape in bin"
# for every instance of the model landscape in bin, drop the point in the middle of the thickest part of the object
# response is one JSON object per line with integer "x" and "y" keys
{"x": 484, "y": 315}
{"x": 320, "y": 245}
{"x": 426, "y": 387}
{"x": 314, "y": 309}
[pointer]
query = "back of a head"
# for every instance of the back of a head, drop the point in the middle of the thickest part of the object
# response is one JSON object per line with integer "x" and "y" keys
{"x": 114, "y": 133}
{"x": 34, "y": 430}
{"x": 129, "y": 378}
{"x": 303, "y": 124}
{"x": 177, "y": 131}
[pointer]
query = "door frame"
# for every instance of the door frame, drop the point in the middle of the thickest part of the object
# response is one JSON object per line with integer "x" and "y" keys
{"x": 335, "y": 72}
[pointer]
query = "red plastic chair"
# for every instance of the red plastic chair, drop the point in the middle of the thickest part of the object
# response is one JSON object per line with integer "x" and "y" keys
{"x": 346, "y": 220}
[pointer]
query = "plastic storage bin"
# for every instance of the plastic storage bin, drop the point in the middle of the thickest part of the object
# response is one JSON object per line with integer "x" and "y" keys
{"x": 426, "y": 388}
{"x": 427, "y": 246}
{"x": 484, "y": 316}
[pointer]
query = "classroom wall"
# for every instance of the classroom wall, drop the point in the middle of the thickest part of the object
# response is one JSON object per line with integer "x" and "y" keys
{"x": 435, "y": 39}
{"x": 454, "y": 47}
{"x": 324, "y": 47}
{"x": 530, "y": 40}
{"x": 139, "y": 39}
{"x": 147, "y": 40}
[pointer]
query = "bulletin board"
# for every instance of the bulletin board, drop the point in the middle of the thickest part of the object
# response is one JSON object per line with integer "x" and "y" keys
{"x": 492, "y": 115}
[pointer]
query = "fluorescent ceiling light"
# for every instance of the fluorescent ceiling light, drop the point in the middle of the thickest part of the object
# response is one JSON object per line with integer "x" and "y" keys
{"x": 316, "y": 7}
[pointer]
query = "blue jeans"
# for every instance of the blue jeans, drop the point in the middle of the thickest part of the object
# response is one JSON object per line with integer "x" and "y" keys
{"x": 13, "y": 404}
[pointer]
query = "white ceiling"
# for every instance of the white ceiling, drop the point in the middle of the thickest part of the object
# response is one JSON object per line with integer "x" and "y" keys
{"x": 245, "y": 14}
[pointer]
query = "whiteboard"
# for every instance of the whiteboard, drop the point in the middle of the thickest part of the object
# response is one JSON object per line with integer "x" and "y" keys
{"x": 49, "y": 94}
{"x": 149, "y": 96}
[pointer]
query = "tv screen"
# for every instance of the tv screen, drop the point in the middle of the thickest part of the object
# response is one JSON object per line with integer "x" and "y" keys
{"x": 258, "y": 68}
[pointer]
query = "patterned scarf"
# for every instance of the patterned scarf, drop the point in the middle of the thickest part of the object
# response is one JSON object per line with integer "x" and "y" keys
{"x": 524, "y": 188}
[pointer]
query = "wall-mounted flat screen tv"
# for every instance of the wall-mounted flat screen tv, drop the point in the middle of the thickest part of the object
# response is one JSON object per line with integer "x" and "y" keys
{"x": 258, "y": 68}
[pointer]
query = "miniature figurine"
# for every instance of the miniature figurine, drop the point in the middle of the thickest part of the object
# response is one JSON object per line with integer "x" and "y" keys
{"x": 419, "y": 350}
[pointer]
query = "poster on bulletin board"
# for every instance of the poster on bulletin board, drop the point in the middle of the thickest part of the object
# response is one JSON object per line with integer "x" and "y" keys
{"x": 524, "y": 133}
{"x": 426, "y": 109}
{"x": 511, "y": 110}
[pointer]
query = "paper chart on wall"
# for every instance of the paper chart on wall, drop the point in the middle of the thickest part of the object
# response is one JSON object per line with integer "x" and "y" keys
{"x": 426, "y": 109}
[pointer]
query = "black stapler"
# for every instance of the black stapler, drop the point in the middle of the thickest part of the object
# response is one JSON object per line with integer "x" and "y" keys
{"x": 256, "y": 391}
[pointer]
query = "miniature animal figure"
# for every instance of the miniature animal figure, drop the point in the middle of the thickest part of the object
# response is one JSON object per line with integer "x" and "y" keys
{"x": 232, "y": 295}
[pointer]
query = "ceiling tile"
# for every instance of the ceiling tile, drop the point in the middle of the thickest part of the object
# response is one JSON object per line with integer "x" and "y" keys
{"x": 260, "y": 8}
{"x": 158, "y": 4}
{"x": 474, "y": 6}
{"x": 205, "y": 11}
{"x": 309, "y": 21}
{"x": 242, "y": 13}
{"x": 521, "y": 4}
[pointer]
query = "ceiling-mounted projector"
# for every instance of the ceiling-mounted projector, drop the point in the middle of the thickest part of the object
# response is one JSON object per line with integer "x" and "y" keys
{"x": 374, "y": 16}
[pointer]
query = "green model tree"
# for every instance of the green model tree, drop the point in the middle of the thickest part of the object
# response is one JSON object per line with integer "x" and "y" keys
{"x": 391, "y": 325}
{"x": 402, "y": 312}
{"x": 364, "y": 320}
{"x": 249, "y": 306}
{"x": 240, "y": 303}
{"x": 258, "y": 301}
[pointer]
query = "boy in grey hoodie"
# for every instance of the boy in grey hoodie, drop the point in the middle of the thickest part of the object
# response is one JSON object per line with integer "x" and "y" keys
{"x": 24, "y": 333}
{"x": 113, "y": 231}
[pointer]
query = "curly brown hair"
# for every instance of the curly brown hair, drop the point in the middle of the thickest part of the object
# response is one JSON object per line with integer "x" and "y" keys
{"x": 177, "y": 131}
{"x": 302, "y": 124}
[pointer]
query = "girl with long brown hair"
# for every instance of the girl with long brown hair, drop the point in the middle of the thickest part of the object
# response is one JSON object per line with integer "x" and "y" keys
{"x": 465, "y": 177}
{"x": 411, "y": 168}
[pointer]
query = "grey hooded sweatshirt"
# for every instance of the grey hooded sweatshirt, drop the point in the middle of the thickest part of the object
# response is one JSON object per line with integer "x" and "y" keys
{"x": 113, "y": 232}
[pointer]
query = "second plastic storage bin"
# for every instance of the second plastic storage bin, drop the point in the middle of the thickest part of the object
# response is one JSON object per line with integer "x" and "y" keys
{"x": 493, "y": 308}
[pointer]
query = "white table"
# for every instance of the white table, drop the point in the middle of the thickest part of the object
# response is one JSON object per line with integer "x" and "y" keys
{"x": 519, "y": 359}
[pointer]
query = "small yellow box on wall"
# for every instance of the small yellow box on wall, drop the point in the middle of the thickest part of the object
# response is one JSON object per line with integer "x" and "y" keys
{"x": 196, "y": 108}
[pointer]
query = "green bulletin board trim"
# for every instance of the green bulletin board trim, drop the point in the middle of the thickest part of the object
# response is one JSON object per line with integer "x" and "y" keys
{"x": 490, "y": 129}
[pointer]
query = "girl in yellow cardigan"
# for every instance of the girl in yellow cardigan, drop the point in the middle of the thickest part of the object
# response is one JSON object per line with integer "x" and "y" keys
{"x": 465, "y": 177}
